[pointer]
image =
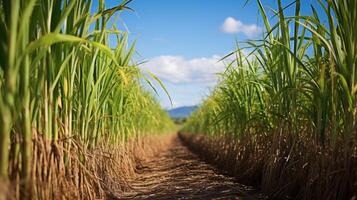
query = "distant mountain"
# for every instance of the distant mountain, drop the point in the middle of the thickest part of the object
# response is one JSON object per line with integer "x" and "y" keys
{"x": 182, "y": 112}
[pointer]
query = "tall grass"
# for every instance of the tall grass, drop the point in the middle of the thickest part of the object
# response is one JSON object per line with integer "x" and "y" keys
{"x": 288, "y": 109}
{"x": 61, "y": 82}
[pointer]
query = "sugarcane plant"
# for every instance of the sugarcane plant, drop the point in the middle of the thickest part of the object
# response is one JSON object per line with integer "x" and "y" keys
{"x": 296, "y": 87}
{"x": 67, "y": 73}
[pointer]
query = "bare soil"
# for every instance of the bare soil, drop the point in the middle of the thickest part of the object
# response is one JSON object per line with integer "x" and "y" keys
{"x": 177, "y": 173}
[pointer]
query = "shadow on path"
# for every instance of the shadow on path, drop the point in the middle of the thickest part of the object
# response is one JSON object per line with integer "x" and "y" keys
{"x": 177, "y": 173}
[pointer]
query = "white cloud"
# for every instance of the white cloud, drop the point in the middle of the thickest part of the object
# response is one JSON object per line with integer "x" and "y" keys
{"x": 177, "y": 69}
{"x": 231, "y": 25}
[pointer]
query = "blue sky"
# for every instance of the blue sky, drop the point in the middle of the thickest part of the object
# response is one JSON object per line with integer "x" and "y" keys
{"x": 182, "y": 40}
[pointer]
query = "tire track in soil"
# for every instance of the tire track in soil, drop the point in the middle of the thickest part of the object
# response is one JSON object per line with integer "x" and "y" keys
{"x": 177, "y": 173}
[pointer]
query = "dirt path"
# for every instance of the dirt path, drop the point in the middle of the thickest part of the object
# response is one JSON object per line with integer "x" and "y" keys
{"x": 179, "y": 174}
